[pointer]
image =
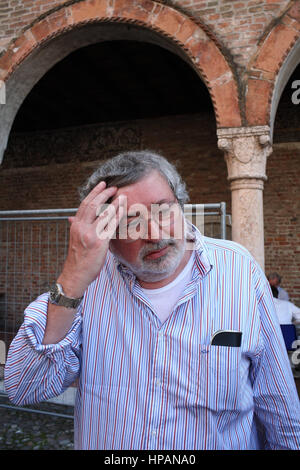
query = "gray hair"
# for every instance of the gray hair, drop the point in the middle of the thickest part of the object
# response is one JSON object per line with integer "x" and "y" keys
{"x": 129, "y": 167}
{"x": 274, "y": 276}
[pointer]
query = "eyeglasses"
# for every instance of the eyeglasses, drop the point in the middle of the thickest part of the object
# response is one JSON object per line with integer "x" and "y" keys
{"x": 136, "y": 224}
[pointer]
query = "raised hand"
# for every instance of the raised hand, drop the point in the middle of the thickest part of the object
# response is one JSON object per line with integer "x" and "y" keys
{"x": 91, "y": 231}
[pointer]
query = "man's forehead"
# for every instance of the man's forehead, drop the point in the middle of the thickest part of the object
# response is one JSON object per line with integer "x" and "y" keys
{"x": 151, "y": 189}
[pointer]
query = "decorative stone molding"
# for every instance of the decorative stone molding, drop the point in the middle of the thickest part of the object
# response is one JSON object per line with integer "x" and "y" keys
{"x": 246, "y": 150}
{"x": 85, "y": 143}
{"x": 247, "y": 183}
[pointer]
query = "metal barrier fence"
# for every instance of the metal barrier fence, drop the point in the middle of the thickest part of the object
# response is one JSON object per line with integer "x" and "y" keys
{"x": 33, "y": 247}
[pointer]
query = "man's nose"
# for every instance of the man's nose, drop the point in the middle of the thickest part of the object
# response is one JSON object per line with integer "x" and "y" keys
{"x": 154, "y": 230}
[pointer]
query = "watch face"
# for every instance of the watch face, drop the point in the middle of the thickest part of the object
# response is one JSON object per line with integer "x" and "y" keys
{"x": 54, "y": 293}
{"x": 57, "y": 297}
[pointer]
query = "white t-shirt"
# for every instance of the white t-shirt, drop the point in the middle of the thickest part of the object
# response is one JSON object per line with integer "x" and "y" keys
{"x": 165, "y": 298}
{"x": 286, "y": 311}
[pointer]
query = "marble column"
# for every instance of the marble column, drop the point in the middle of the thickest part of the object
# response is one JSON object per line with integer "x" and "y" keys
{"x": 246, "y": 151}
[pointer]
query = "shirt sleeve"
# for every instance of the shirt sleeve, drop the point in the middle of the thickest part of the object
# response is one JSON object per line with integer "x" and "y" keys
{"x": 295, "y": 313}
{"x": 35, "y": 372}
{"x": 275, "y": 396}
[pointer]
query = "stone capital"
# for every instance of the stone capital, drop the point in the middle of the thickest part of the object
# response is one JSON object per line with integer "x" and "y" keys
{"x": 246, "y": 151}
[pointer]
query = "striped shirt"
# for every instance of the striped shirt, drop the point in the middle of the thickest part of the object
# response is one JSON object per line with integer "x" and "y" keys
{"x": 144, "y": 384}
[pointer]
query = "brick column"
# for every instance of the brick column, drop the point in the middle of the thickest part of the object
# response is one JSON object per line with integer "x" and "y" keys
{"x": 246, "y": 150}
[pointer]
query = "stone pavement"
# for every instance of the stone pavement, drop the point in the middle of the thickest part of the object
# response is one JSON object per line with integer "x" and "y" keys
{"x": 24, "y": 430}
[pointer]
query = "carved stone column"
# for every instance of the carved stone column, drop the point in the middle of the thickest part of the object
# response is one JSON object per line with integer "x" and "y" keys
{"x": 246, "y": 150}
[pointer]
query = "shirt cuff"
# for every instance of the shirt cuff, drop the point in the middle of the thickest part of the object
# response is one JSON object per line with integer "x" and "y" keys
{"x": 35, "y": 319}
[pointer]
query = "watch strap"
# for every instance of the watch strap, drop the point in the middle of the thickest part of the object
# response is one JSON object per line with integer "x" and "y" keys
{"x": 58, "y": 297}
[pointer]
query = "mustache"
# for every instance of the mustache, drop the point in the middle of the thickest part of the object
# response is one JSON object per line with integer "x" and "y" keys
{"x": 146, "y": 249}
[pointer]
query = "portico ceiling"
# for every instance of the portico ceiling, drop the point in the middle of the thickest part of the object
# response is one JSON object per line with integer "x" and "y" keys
{"x": 112, "y": 81}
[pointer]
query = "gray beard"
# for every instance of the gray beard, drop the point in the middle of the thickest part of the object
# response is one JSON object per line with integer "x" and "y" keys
{"x": 159, "y": 268}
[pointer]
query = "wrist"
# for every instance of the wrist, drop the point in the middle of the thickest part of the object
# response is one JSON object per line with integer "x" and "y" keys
{"x": 71, "y": 287}
{"x": 57, "y": 296}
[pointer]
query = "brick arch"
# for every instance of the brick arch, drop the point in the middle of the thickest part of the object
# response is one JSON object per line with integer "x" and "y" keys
{"x": 198, "y": 46}
{"x": 266, "y": 66}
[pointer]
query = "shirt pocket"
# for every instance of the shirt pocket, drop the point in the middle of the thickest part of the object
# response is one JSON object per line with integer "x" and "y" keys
{"x": 217, "y": 378}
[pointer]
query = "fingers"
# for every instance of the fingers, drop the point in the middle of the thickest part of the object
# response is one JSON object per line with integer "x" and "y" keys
{"x": 96, "y": 190}
{"x": 109, "y": 220}
{"x": 90, "y": 206}
{"x": 114, "y": 222}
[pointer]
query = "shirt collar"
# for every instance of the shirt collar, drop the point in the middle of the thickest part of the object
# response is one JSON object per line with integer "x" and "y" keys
{"x": 203, "y": 258}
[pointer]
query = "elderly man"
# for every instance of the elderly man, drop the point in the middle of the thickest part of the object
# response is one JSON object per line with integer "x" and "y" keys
{"x": 173, "y": 336}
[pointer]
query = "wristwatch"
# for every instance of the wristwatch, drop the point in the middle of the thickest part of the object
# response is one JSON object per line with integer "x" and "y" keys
{"x": 58, "y": 297}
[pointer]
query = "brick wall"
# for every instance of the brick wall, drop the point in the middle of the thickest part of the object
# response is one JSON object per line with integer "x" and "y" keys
{"x": 31, "y": 179}
{"x": 238, "y": 24}
{"x": 15, "y": 15}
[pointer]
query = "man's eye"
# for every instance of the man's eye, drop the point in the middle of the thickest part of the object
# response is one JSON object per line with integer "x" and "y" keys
{"x": 165, "y": 211}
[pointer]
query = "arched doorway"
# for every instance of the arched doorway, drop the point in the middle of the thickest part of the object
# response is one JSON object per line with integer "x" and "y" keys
{"x": 49, "y": 42}
{"x": 52, "y": 38}
{"x": 107, "y": 97}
